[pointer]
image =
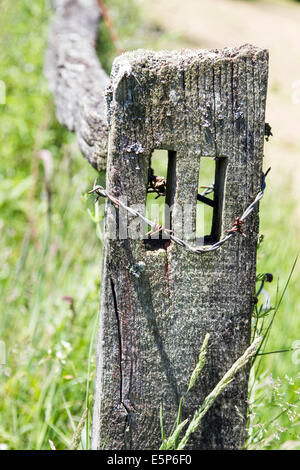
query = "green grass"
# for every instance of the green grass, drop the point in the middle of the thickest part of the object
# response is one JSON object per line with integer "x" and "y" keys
{"x": 47, "y": 380}
{"x": 43, "y": 384}
{"x": 278, "y": 380}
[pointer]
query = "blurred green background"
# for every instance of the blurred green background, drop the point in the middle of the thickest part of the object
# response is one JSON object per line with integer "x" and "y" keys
{"x": 50, "y": 241}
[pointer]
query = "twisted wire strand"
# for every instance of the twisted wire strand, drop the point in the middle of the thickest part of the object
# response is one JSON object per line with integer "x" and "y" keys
{"x": 102, "y": 192}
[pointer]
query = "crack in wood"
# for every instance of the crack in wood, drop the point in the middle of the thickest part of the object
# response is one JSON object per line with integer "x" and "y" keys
{"x": 129, "y": 414}
{"x": 119, "y": 341}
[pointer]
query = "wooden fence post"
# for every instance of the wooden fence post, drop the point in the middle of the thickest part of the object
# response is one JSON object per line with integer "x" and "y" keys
{"x": 76, "y": 77}
{"x": 158, "y": 302}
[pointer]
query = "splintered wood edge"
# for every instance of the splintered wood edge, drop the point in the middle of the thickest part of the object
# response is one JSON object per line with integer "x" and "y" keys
{"x": 125, "y": 64}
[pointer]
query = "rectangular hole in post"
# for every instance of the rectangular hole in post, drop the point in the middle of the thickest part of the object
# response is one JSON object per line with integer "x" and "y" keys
{"x": 210, "y": 199}
{"x": 160, "y": 194}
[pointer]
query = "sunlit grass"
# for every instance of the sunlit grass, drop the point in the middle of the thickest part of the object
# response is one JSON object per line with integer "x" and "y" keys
{"x": 43, "y": 383}
{"x": 50, "y": 273}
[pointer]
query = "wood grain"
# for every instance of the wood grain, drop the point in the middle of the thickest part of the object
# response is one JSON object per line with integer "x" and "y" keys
{"x": 157, "y": 305}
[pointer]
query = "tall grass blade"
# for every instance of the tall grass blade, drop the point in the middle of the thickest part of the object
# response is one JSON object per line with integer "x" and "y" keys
{"x": 77, "y": 434}
{"x": 224, "y": 382}
{"x": 267, "y": 332}
{"x": 201, "y": 362}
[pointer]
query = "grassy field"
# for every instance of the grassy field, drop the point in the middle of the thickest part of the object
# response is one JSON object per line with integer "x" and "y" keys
{"x": 50, "y": 253}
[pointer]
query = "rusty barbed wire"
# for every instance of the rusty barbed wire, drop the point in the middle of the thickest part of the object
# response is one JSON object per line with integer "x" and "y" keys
{"x": 236, "y": 228}
{"x": 156, "y": 184}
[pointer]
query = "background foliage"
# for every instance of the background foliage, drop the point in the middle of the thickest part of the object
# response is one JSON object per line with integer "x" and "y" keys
{"x": 50, "y": 251}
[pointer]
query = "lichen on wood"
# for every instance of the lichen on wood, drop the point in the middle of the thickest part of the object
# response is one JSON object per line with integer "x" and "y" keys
{"x": 199, "y": 104}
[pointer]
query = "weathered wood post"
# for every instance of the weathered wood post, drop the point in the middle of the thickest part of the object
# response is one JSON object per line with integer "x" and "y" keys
{"x": 159, "y": 301}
